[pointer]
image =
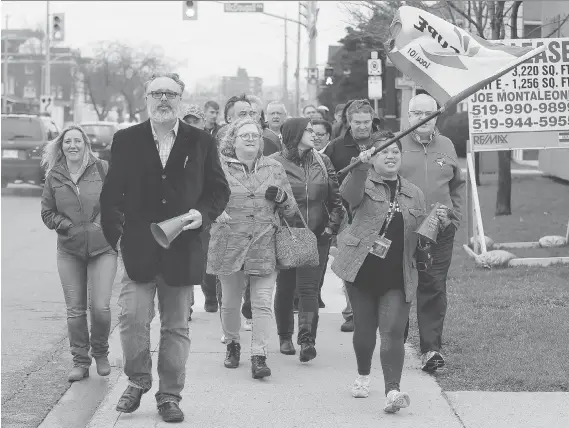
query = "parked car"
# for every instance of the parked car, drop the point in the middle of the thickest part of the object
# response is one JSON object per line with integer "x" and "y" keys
{"x": 101, "y": 136}
{"x": 23, "y": 138}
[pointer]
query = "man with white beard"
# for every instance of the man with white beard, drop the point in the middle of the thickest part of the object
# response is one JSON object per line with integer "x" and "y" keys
{"x": 160, "y": 169}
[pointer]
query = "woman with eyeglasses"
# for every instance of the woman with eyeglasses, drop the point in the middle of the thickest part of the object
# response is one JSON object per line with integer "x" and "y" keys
{"x": 242, "y": 245}
{"x": 377, "y": 260}
{"x": 315, "y": 188}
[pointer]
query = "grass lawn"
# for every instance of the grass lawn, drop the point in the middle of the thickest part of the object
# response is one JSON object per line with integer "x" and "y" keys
{"x": 508, "y": 329}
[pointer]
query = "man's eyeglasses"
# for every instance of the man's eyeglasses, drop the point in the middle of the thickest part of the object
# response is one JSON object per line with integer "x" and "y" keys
{"x": 321, "y": 135}
{"x": 418, "y": 113}
{"x": 310, "y": 131}
{"x": 251, "y": 136}
{"x": 159, "y": 94}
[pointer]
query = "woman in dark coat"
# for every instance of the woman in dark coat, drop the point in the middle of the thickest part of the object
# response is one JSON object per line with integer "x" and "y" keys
{"x": 315, "y": 187}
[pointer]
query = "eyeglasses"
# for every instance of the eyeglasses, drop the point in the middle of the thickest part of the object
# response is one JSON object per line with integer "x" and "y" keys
{"x": 420, "y": 113}
{"x": 251, "y": 136}
{"x": 321, "y": 135}
{"x": 310, "y": 131}
{"x": 159, "y": 94}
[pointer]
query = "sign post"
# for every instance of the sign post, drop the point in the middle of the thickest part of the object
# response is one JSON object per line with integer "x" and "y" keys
{"x": 374, "y": 80}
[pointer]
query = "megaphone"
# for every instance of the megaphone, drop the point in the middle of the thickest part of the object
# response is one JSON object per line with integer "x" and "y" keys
{"x": 165, "y": 232}
{"x": 426, "y": 229}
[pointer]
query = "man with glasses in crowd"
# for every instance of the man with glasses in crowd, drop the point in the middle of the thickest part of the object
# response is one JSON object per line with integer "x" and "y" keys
{"x": 159, "y": 169}
{"x": 356, "y": 139}
{"x": 429, "y": 161}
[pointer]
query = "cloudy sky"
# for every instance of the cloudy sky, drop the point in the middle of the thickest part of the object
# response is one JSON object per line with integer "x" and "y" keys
{"x": 216, "y": 44}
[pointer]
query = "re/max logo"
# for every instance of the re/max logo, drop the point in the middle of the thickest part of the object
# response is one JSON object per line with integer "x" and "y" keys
{"x": 485, "y": 139}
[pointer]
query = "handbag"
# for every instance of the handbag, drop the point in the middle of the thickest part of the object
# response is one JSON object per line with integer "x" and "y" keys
{"x": 296, "y": 246}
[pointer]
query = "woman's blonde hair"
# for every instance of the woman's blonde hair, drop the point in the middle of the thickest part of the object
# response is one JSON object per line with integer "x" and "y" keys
{"x": 227, "y": 146}
{"x": 52, "y": 152}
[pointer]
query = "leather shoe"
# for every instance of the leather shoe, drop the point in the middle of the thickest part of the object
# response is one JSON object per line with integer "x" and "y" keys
{"x": 130, "y": 399}
{"x": 211, "y": 306}
{"x": 170, "y": 412}
{"x": 287, "y": 347}
{"x": 348, "y": 326}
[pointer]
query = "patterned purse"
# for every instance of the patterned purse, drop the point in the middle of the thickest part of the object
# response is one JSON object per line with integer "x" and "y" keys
{"x": 296, "y": 246}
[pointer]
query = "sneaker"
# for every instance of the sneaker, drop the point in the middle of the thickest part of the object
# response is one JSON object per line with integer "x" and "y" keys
{"x": 248, "y": 326}
{"x": 259, "y": 368}
{"x": 396, "y": 400}
{"x": 360, "y": 389}
{"x": 431, "y": 361}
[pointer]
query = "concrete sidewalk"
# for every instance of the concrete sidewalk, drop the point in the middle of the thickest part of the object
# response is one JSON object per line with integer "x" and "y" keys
{"x": 314, "y": 394}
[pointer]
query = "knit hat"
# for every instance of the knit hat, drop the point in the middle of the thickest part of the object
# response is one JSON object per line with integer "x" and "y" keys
{"x": 193, "y": 110}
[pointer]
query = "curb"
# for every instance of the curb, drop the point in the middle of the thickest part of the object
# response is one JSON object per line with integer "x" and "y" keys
{"x": 22, "y": 191}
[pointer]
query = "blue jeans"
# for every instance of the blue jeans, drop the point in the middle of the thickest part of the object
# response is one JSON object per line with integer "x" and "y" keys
{"x": 137, "y": 303}
{"x": 75, "y": 273}
{"x": 432, "y": 293}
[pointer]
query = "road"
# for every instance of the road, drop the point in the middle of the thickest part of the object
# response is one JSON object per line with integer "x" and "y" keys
{"x": 35, "y": 348}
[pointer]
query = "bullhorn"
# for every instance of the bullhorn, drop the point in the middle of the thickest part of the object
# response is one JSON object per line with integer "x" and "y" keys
{"x": 426, "y": 230}
{"x": 168, "y": 230}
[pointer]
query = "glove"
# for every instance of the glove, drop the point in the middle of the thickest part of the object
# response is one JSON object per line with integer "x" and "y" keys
{"x": 276, "y": 194}
{"x": 327, "y": 234}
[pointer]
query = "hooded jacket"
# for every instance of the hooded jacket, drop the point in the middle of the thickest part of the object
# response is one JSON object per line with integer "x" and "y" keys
{"x": 316, "y": 191}
{"x": 73, "y": 209}
{"x": 247, "y": 239}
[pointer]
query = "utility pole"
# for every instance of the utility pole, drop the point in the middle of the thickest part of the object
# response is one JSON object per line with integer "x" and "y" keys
{"x": 47, "y": 82}
{"x": 285, "y": 66}
{"x": 312, "y": 34}
{"x": 5, "y": 72}
{"x": 296, "y": 109}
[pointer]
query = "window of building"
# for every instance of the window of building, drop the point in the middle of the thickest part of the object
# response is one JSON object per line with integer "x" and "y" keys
{"x": 532, "y": 31}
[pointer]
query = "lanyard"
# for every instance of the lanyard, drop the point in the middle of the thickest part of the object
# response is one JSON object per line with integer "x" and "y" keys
{"x": 393, "y": 208}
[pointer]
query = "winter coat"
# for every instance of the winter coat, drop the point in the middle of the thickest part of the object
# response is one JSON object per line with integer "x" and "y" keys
{"x": 369, "y": 199}
{"x": 434, "y": 168}
{"x": 312, "y": 179}
{"x": 247, "y": 240}
{"x": 73, "y": 210}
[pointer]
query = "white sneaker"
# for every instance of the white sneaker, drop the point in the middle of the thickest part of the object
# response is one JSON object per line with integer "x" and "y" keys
{"x": 360, "y": 389}
{"x": 248, "y": 326}
{"x": 396, "y": 400}
{"x": 223, "y": 339}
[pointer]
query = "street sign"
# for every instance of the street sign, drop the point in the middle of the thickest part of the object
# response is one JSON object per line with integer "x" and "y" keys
{"x": 243, "y": 7}
{"x": 405, "y": 83}
{"x": 527, "y": 108}
{"x": 312, "y": 73}
{"x": 46, "y": 103}
{"x": 374, "y": 67}
{"x": 374, "y": 87}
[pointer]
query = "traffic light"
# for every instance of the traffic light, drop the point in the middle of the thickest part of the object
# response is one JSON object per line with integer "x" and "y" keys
{"x": 58, "y": 27}
{"x": 328, "y": 76}
{"x": 190, "y": 10}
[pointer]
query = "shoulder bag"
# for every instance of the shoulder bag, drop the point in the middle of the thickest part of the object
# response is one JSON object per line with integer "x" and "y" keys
{"x": 296, "y": 246}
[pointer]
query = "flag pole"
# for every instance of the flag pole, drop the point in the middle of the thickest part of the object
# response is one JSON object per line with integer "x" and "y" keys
{"x": 396, "y": 137}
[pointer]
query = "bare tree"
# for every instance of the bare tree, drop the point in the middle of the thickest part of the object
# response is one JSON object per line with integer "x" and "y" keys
{"x": 116, "y": 76}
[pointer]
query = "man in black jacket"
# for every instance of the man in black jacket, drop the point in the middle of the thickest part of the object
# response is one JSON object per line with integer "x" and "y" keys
{"x": 161, "y": 168}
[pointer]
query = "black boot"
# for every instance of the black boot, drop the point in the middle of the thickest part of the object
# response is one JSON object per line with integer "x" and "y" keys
{"x": 307, "y": 326}
{"x": 259, "y": 367}
{"x": 233, "y": 355}
{"x": 287, "y": 347}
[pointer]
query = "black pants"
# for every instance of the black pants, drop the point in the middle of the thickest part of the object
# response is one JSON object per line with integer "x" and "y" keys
{"x": 432, "y": 293}
{"x": 389, "y": 312}
{"x": 307, "y": 281}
